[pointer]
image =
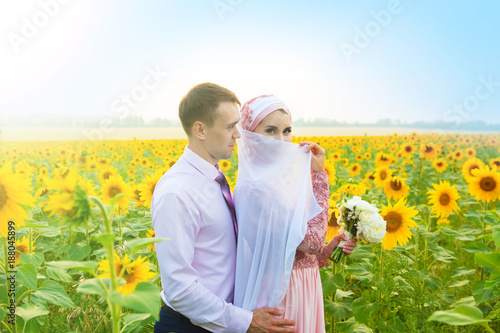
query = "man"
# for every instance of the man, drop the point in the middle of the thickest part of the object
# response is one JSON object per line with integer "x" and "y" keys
{"x": 190, "y": 207}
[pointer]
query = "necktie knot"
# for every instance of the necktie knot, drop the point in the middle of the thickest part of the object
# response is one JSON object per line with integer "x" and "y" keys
{"x": 221, "y": 179}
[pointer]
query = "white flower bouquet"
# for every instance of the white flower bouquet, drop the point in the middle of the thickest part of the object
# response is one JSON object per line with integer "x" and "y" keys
{"x": 359, "y": 219}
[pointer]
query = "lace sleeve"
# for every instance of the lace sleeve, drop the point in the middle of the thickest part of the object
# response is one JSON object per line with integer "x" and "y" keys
{"x": 316, "y": 228}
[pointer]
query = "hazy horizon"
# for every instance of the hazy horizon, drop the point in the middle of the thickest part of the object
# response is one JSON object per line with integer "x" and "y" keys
{"x": 350, "y": 61}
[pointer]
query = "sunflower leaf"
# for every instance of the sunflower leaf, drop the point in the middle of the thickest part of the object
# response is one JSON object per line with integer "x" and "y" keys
{"x": 135, "y": 245}
{"x": 52, "y": 292}
{"x": 461, "y": 315}
{"x": 145, "y": 298}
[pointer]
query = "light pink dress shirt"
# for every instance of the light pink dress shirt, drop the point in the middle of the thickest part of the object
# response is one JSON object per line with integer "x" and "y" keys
{"x": 197, "y": 265}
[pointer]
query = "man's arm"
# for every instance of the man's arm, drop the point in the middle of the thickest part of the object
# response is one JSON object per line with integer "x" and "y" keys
{"x": 175, "y": 219}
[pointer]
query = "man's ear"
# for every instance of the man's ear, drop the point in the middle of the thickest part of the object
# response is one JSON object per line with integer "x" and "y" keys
{"x": 199, "y": 130}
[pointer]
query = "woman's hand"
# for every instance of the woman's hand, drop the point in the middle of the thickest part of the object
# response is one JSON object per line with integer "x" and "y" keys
{"x": 328, "y": 249}
{"x": 318, "y": 156}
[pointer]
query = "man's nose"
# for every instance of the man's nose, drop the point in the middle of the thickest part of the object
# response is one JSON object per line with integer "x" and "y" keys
{"x": 237, "y": 134}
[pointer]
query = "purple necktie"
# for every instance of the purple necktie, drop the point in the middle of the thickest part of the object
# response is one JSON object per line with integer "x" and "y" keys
{"x": 226, "y": 191}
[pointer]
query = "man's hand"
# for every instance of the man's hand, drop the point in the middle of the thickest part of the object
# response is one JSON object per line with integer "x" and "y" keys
{"x": 328, "y": 249}
{"x": 264, "y": 321}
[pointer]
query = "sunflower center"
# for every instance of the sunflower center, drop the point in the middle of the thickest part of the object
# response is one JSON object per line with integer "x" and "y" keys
{"x": 428, "y": 149}
{"x": 383, "y": 158}
{"x": 383, "y": 175}
{"x": 64, "y": 173}
{"x": 333, "y": 220}
{"x": 153, "y": 189}
{"x": 396, "y": 185}
{"x": 113, "y": 191}
{"x": 444, "y": 199}
{"x": 22, "y": 248}
{"x": 497, "y": 163}
{"x": 3, "y": 196}
{"x": 354, "y": 168}
{"x": 487, "y": 184}
{"x": 394, "y": 221}
{"x": 440, "y": 164}
{"x": 408, "y": 149}
{"x": 106, "y": 175}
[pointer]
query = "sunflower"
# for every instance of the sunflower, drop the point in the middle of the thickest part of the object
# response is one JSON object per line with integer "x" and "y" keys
{"x": 113, "y": 186}
{"x": 383, "y": 160}
{"x": 334, "y": 156}
{"x": 470, "y": 152}
{"x": 148, "y": 185}
{"x": 145, "y": 162}
{"x": 458, "y": 155}
{"x": 106, "y": 172}
{"x": 151, "y": 234}
{"x": 68, "y": 200}
{"x": 14, "y": 190}
{"x": 428, "y": 151}
{"x": 134, "y": 272}
{"x": 469, "y": 165}
{"x": 399, "y": 221}
{"x": 485, "y": 185}
{"x": 408, "y": 149}
{"x": 354, "y": 169}
{"x": 345, "y": 161}
{"x": 333, "y": 226}
{"x": 443, "y": 199}
{"x": 381, "y": 175}
{"x": 440, "y": 165}
{"x": 22, "y": 246}
{"x": 396, "y": 187}
{"x": 495, "y": 162}
{"x": 225, "y": 165}
{"x": 136, "y": 194}
{"x": 330, "y": 170}
{"x": 354, "y": 189}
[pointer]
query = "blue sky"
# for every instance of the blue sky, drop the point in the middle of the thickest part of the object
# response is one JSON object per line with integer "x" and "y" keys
{"x": 345, "y": 60}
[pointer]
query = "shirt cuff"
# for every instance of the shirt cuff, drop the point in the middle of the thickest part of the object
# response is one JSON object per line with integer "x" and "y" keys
{"x": 241, "y": 320}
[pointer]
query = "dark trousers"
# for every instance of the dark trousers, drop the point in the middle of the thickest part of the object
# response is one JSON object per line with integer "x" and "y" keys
{"x": 175, "y": 323}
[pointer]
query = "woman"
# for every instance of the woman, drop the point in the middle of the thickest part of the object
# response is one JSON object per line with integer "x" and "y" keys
{"x": 282, "y": 215}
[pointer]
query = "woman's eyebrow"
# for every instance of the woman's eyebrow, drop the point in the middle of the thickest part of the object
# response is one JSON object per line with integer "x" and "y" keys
{"x": 271, "y": 126}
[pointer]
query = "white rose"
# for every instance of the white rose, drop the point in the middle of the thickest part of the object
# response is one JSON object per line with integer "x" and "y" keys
{"x": 371, "y": 227}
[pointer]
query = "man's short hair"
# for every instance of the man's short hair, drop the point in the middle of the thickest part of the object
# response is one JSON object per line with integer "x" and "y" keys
{"x": 201, "y": 103}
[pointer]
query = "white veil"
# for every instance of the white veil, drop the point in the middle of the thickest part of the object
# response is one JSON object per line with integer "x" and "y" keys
{"x": 274, "y": 200}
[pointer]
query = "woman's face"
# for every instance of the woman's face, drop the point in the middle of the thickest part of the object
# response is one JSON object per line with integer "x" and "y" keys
{"x": 276, "y": 125}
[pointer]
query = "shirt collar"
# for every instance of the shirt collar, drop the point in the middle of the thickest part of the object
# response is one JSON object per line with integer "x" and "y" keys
{"x": 209, "y": 170}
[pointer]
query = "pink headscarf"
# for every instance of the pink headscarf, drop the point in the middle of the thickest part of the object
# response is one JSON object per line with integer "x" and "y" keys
{"x": 256, "y": 109}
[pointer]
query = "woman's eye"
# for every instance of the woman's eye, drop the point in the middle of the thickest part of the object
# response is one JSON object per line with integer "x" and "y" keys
{"x": 287, "y": 131}
{"x": 270, "y": 131}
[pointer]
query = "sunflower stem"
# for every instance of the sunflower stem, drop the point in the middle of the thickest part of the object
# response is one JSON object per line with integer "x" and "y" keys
{"x": 114, "y": 308}
{"x": 484, "y": 234}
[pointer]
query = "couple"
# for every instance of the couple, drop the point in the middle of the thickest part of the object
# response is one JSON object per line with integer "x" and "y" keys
{"x": 251, "y": 266}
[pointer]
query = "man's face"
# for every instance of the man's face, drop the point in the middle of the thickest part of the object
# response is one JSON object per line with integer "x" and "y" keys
{"x": 221, "y": 137}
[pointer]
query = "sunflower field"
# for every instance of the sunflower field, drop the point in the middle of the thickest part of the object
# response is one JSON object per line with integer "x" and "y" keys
{"x": 77, "y": 249}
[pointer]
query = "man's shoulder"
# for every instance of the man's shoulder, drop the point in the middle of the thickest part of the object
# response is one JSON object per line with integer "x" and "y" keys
{"x": 177, "y": 180}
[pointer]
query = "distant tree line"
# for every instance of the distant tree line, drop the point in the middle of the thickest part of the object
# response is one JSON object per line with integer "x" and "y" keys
{"x": 92, "y": 121}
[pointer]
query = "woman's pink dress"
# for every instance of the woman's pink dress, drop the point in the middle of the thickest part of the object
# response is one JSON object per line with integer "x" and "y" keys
{"x": 303, "y": 301}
